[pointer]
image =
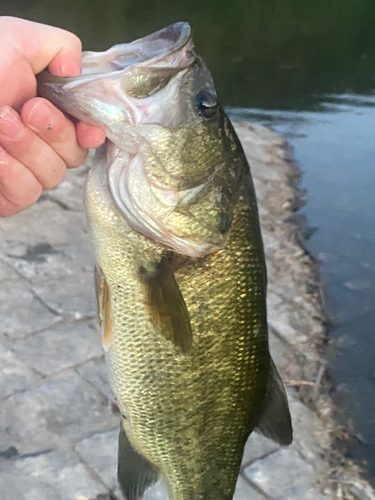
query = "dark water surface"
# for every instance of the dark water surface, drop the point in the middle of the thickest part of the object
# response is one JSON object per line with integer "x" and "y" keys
{"x": 263, "y": 53}
{"x": 306, "y": 68}
{"x": 335, "y": 148}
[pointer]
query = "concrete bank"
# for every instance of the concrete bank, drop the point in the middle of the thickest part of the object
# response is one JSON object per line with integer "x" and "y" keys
{"x": 58, "y": 424}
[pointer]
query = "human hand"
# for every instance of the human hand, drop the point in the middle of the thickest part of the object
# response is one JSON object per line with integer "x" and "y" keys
{"x": 37, "y": 141}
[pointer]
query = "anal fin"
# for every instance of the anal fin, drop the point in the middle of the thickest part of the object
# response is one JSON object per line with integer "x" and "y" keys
{"x": 275, "y": 421}
{"x": 135, "y": 474}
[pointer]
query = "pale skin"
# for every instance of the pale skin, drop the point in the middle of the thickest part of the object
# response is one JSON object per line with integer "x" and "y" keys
{"x": 37, "y": 141}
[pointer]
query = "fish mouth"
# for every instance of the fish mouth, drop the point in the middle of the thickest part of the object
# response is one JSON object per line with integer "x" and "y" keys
{"x": 151, "y": 48}
{"x": 132, "y": 91}
{"x": 164, "y": 48}
{"x": 113, "y": 88}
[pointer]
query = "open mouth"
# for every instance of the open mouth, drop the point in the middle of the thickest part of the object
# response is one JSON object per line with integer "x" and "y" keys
{"x": 158, "y": 49}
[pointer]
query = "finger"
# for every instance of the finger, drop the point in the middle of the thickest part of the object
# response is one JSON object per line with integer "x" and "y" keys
{"x": 19, "y": 188}
{"x": 89, "y": 136}
{"x": 52, "y": 126}
{"x": 41, "y": 45}
{"x": 29, "y": 149}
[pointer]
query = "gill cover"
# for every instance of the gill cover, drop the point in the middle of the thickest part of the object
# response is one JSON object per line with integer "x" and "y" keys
{"x": 173, "y": 166}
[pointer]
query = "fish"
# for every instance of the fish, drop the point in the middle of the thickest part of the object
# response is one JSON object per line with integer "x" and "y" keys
{"x": 180, "y": 268}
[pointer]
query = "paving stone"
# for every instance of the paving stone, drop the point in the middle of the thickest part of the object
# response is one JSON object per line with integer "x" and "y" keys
{"x": 244, "y": 491}
{"x": 262, "y": 171}
{"x": 70, "y": 192}
{"x": 71, "y": 296}
{"x": 95, "y": 372}
{"x": 285, "y": 290}
{"x": 311, "y": 437}
{"x": 60, "y": 347}
{"x": 100, "y": 453}
{"x": 285, "y": 358}
{"x": 7, "y": 273}
{"x": 58, "y": 413}
{"x": 292, "y": 477}
{"x": 257, "y": 446}
{"x": 49, "y": 246}
{"x": 270, "y": 241}
{"x": 43, "y": 222}
{"x": 259, "y": 188}
{"x": 50, "y": 476}
{"x": 42, "y": 262}
{"x": 359, "y": 488}
{"x": 280, "y": 317}
{"x": 158, "y": 491}
{"x": 21, "y": 312}
{"x": 14, "y": 375}
{"x": 261, "y": 144}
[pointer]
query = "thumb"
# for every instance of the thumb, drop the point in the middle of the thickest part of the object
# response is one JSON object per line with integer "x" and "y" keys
{"x": 41, "y": 46}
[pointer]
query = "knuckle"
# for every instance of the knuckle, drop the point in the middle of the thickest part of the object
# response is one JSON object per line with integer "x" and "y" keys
{"x": 54, "y": 177}
{"x": 78, "y": 159}
{"x": 44, "y": 118}
{"x": 56, "y": 128}
{"x": 75, "y": 41}
{"x": 7, "y": 209}
{"x": 5, "y": 158}
{"x": 12, "y": 203}
{"x": 34, "y": 194}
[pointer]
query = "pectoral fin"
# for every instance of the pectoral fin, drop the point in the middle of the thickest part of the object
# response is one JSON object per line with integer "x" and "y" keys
{"x": 103, "y": 307}
{"x": 135, "y": 474}
{"x": 275, "y": 422}
{"x": 167, "y": 307}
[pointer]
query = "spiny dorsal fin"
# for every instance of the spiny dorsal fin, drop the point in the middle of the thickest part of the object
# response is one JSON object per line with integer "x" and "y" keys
{"x": 167, "y": 307}
{"x": 134, "y": 473}
{"x": 275, "y": 422}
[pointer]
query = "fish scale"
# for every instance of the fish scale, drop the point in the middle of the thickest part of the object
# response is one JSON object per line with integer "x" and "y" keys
{"x": 197, "y": 404}
{"x": 180, "y": 277}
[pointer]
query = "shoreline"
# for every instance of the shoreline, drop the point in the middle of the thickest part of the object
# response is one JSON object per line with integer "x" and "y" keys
{"x": 343, "y": 478}
{"x": 57, "y": 415}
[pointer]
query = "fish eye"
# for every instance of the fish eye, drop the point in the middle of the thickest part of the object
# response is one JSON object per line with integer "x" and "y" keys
{"x": 206, "y": 104}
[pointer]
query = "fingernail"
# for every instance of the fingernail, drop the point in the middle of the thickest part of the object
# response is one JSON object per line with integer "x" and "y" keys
{"x": 70, "y": 69}
{"x": 40, "y": 116}
{"x": 66, "y": 66}
{"x": 10, "y": 123}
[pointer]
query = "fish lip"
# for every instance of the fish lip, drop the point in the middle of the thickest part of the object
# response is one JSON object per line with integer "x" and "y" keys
{"x": 178, "y": 34}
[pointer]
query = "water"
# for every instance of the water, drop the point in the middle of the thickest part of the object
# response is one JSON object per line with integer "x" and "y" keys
{"x": 306, "y": 68}
{"x": 335, "y": 149}
{"x": 268, "y": 54}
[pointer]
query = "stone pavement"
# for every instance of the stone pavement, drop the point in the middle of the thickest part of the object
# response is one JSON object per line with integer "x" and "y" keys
{"x": 58, "y": 423}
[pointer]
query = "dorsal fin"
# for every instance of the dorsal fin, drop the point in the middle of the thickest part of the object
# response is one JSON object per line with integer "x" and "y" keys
{"x": 275, "y": 421}
{"x": 135, "y": 474}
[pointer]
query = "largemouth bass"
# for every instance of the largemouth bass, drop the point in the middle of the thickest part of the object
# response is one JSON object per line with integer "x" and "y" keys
{"x": 180, "y": 276}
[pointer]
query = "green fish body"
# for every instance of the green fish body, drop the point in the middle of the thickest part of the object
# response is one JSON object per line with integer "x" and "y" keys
{"x": 180, "y": 276}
